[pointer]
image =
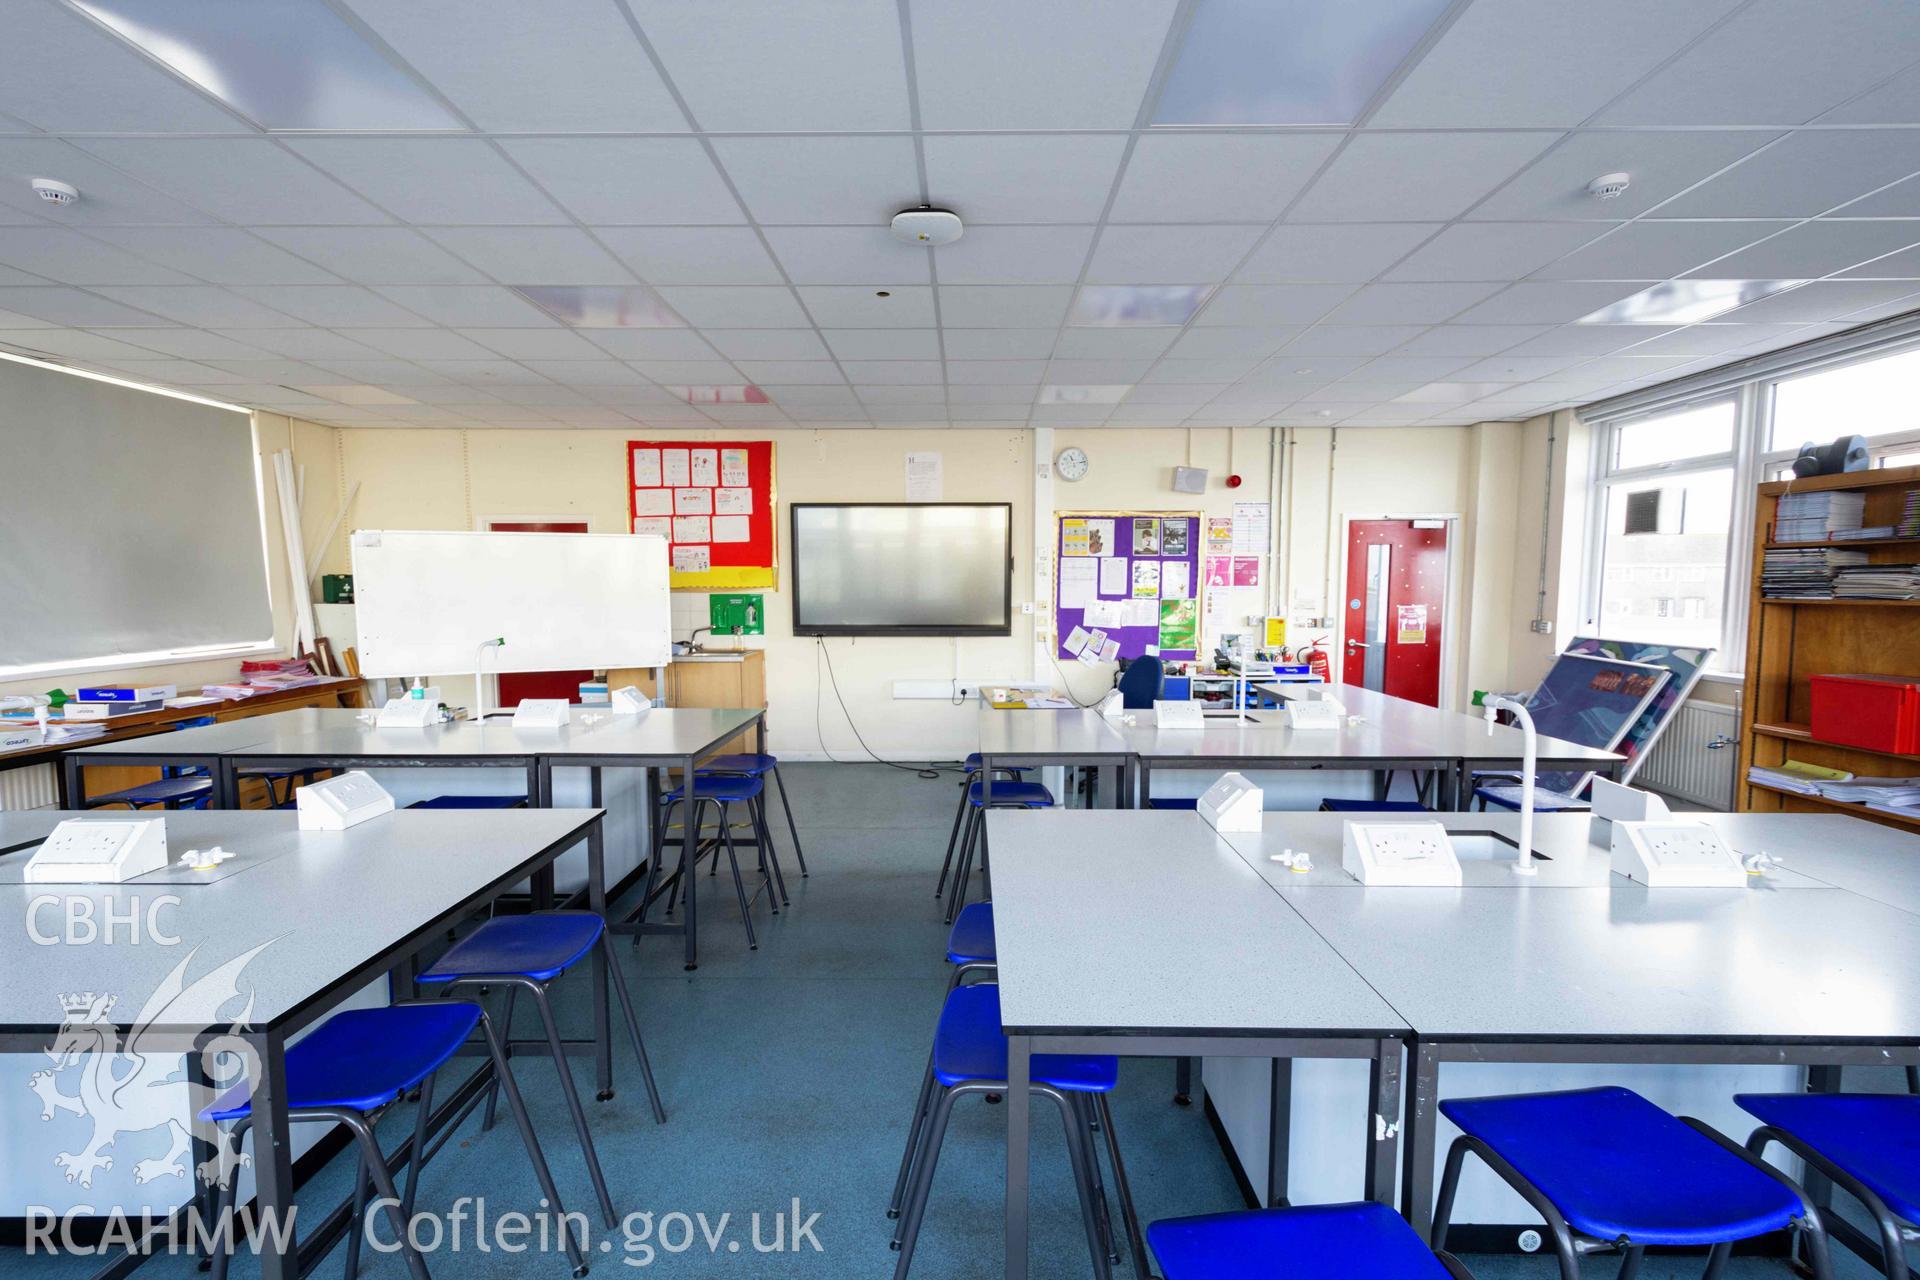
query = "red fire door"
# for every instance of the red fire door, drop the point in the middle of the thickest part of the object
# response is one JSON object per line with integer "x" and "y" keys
{"x": 1394, "y": 607}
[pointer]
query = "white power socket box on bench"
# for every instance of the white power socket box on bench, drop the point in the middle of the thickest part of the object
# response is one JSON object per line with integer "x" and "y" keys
{"x": 1417, "y": 854}
{"x": 99, "y": 851}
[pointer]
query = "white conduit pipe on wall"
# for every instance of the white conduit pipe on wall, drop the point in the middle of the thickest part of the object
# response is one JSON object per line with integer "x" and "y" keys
{"x": 295, "y": 550}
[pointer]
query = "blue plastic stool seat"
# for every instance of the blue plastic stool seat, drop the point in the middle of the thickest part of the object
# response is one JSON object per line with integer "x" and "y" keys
{"x": 1333, "y": 804}
{"x": 1174, "y": 802}
{"x": 362, "y": 1059}
{"x": 1363, "y": 1239}
{"x": 1031, "y": 795}
{"x": 541, "y": 946}
{"x": 748, "y": 762}
{"x": 470, "y": 802}
{"x": 1617, "y": 1166}
{"x": 1873, "y": 1136}
{"x": 971, "y": 941}
{"x": 162, "y": 791}
{"x": 725, "y": 787}
{"x": 969, "y": 1045}
{"x": 1507, "y": 796}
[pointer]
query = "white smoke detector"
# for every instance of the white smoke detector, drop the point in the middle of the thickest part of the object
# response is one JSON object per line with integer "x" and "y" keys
{"x": 54, "y": 192}
{"x": 928, "y": 226}
{"x": 1609, "y": 186}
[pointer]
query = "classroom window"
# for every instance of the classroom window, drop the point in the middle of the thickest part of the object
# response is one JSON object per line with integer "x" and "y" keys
{"x": 1659, "y": 532}
{"x": 1873, "y": 398}
{"x": 1699, "y": 432}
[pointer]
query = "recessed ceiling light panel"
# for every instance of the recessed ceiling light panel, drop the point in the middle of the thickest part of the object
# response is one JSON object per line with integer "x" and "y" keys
{"x": 1060, "y": 393}
{"x": 1120, "y": 305}
{"x": 1289, "y": 61}
{"x": 602, "y": 306}
{"x": 1686, "y": 301}
{"x": 284, "y": 64}
{"x": 721, "y": 395}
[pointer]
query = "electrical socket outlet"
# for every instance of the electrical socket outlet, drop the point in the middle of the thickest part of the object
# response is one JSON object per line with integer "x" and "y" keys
{"x": 966, "y": 692}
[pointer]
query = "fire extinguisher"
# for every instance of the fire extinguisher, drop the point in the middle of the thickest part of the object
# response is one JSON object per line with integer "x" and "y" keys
{"x": 1316, "y": 656}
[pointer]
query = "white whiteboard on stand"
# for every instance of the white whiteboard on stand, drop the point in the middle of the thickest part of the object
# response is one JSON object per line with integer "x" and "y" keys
{"x": 426, "y": 600}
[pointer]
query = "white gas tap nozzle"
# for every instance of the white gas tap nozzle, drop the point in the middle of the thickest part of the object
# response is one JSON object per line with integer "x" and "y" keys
{"x": 1493, "y": 703}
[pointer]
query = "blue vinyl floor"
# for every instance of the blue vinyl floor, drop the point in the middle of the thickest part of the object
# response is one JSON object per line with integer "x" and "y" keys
{"x": 788, "y": 1075}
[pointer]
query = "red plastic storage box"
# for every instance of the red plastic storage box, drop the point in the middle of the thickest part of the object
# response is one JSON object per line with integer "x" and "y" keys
{"x": 1880, "y": 713}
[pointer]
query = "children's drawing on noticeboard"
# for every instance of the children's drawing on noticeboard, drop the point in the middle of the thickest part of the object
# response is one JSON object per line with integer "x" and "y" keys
{"x": 1146, "y": 537}
{"x": 1173, "y": 537}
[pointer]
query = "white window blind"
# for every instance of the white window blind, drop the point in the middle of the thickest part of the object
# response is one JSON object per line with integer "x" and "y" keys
{"x": 129, "y": 524}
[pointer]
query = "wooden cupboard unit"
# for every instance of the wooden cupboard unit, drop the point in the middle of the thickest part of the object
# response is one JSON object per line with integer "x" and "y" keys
{"x": 1789, "y": 641}
{"x": 730, "y": 678}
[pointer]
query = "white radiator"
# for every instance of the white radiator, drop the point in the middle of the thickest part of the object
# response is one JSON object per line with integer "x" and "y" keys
{"x": 33, "y": 787}
{"x": 1683, "y": 766}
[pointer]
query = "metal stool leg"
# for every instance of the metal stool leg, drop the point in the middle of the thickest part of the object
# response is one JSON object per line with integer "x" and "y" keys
{"x": 1078, "y": 1152}
{"x": 1630, "y": 1262}
{"x": 633, "y": 1025}
{"x": 764, "y": 833}
{"x": 506, "y": 1037}
{"x": 362, "y": 1184}
{"x": 953, "y": 837}
{"x": 793, "y": 830}
{"x": 739, "y": 887}
{"x": 963, "y": 874}
{"x": 1717, "y": 1262}
{"x": 539, "y": 993}
{"x": 916, "y": 1208}
{"x": 1129, "y": 1216}
{"x": 362, "y": 1132}
{"x": 1103, "y": 1212}
{"x": 224, "y": 1223}
{"x": 913, "y": 1138}
{"x": 518, "y": 1106}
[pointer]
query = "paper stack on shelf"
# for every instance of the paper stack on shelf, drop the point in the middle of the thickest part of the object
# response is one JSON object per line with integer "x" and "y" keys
{"x": 1796, "y": 776}
{"x": 1909, "y": 526}
{"x": 1816, "y": 515}
{"x": 1877, "y": 582}
{"x": 1862, "y": 534}
{"x": 1804, "y": 573}
{"x": 1903, "y": 792}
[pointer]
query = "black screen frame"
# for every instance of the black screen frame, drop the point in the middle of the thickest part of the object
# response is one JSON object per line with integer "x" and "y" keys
{"x": 1003, "y": 628}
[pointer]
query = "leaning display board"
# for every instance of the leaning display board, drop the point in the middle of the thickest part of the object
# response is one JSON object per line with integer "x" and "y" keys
{"x": 1685, "y": 663}
{"x": 1127, "y": 581}
{"x": 425, "y": 601}
{"x": 1594, "y": 700}
{"x": 712, "y": 500}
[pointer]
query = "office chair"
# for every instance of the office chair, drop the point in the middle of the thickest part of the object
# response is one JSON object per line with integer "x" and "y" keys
{"x": 1141, "y": 683}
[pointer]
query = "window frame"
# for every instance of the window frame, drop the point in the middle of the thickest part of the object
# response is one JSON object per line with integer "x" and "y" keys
{"x": 1752, "y": 386}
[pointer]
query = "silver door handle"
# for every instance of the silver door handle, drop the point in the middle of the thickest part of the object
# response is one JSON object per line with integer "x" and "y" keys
{"x": 1357, "y": 644}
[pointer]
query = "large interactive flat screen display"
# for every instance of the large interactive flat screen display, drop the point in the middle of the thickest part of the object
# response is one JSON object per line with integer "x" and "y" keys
{"x": 902, "y": 568}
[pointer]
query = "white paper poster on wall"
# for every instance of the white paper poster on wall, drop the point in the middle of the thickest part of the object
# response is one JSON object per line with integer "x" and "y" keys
{"x": 675, "y": 471}
{"x": 653, "y": 502}
{"x": 925, "y": 479}
{"x": 1176, "y": 580}
{"x": 693, "y": 502}
{"x": 646, "y": 467}
{"x": 1113, "y": 576}
{"x": 692, "y": 559}
{"x": 730, "y": 529}
{"x": 705, "y": 467}
{"x": 657, "y": 526}
{"x": 1077, "y": 581}
{"x": 1251, "y": 529}
{"x": 692, "y": 529}
{"x": 733, "y": 502}
{"x": 733, "y": 468}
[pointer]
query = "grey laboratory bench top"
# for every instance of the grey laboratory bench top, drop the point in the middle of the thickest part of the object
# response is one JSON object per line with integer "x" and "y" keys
{"x": 399, "y": 874}
{"x": 1577, "y": 849}
{"x": 1055, "y": 732}
{"x": 1149, "y": 922}
{"x": 1455, "y": 734}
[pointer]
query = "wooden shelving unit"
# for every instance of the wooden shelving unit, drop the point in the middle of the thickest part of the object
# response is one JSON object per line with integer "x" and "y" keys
{"x": 1790, "y": 640}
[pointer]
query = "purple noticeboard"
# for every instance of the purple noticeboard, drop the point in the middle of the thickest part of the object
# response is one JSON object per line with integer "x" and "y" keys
{"x": 1177, "y": 542}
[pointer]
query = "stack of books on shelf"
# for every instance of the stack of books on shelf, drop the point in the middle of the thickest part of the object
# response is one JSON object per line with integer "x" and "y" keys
{"x": 1909, "y": 526}
{"x": 1877, "y": 582}
{"x": 1805, "y": 573}
{"x": 1861, "y": 534}
{"x": 1797, "y": 776}
{"x": 1817, "y": 515}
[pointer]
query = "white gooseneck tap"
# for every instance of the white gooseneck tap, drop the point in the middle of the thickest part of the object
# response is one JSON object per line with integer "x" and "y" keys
{"x": 480, "y": 675}
{"x": 1492, "y": 703}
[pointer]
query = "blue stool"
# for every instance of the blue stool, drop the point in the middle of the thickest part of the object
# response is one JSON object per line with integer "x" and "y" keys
{"x": 1333, "y": 804}
{"x": 972, "y": 767}
{"x": 753, "y": 764}
{"x": 1867, "y": 1143}
{"x": 970, "y": 944}
{"x": 177, "y": 788}
{"x": 1362, "y": 1239}
{"x": 471, "y": 802}
{"x": 1006, "y": 795}
{"x": 349, "y": 1070}
{"x": 1174, "y": 802}
{"x": 970, "y": 1056}
{"x": 1605, "y": 1167}
{"x": 721, "y": 791}
{"x": 526, "y": 953}
{"x": 1507, "y": 796}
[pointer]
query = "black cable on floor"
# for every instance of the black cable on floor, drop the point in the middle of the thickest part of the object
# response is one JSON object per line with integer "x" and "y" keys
{"x": 931, "y": 772}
